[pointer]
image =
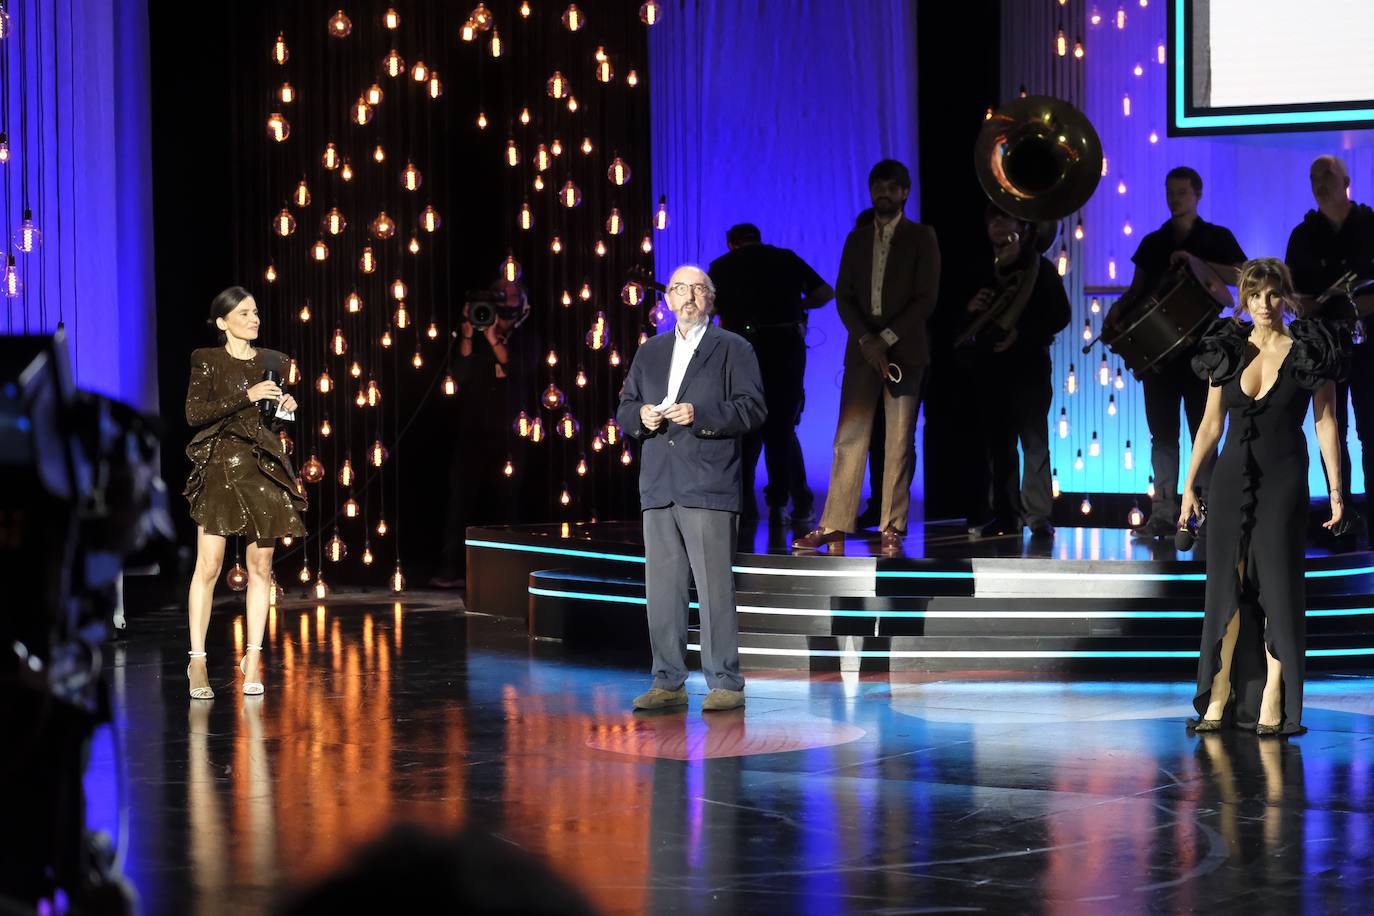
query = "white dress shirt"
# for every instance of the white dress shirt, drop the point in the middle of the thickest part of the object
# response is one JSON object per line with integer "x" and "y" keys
{"x": 882, "y": 244}
{"x": 683, "y": 348}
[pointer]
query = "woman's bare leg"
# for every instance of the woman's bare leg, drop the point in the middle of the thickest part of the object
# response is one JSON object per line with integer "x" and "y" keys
{"x": 209, "y": 559}
{"x": 1271, "y": 703}
{"x": 259, "y": 589}
{"x": 1221, "y": 682}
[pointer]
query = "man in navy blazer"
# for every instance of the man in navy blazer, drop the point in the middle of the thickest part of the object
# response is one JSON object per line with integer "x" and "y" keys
{"x": 688, "y": 399}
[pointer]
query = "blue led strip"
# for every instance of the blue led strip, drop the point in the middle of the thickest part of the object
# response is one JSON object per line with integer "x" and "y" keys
{"x": 1254, "y": 119}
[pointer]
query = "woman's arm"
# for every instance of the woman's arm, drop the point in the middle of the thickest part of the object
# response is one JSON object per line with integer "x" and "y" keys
{"x": 1328, "y": 439}
{"x": 1208, "y": 435}
{"x": 201, "y": 409}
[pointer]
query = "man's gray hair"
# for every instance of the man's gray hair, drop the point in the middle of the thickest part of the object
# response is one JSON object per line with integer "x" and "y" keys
{"x": 710, "y": 284}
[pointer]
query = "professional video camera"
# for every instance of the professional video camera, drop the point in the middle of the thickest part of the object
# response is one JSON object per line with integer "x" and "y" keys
{"x": 79, "y": 491}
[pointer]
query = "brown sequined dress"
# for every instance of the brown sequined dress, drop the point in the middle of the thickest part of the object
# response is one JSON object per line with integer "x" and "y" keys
{"x": 241, "y": 479}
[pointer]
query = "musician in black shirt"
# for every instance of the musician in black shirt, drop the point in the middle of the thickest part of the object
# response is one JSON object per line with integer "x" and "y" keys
{"x": 1332, "y": 240}
{"x": 763, "y": 293}
{"x": 1184, "y": 235}
{"x": 1011, "y": 373}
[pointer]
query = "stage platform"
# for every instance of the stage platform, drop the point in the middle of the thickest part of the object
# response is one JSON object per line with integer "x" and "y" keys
{"x": 1093, "y": 599}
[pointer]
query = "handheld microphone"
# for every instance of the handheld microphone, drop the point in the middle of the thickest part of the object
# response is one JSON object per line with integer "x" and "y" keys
{"x": 268, "y": 406}
{"x": 1186, "y": 537}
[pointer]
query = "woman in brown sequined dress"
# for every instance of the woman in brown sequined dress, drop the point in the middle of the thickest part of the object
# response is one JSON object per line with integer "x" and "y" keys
{"x": 241, "y": 479}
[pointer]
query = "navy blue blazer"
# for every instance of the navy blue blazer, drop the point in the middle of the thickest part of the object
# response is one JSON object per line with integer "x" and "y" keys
{"x": 697, "y": 466}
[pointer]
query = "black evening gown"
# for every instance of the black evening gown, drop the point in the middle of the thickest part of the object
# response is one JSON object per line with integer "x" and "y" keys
{"x": 1257, "y": 515}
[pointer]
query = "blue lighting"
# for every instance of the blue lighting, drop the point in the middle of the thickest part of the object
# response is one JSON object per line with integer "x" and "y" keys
{"x": 556, "y": 551}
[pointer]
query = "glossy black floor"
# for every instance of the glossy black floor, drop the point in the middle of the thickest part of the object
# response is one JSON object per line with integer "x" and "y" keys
{"x": 915, "y": 793}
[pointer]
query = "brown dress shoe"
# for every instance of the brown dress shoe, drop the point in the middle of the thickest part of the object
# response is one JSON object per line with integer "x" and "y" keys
{"x": 891, "y": 542}
{"x": 817, "y": 539}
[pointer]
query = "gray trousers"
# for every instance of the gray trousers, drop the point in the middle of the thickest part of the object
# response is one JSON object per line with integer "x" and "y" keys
{"x": 682, "y": 546}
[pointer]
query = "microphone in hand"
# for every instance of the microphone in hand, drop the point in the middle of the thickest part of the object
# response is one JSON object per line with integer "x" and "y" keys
{"x": 1186, "y": 537}
{"x": 268, "y": 406}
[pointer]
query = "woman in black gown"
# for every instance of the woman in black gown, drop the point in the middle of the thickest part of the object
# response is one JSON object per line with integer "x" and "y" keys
{"x": 1263, "y": 375}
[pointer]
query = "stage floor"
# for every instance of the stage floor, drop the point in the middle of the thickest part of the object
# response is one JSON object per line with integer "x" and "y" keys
{"x": 830, "y": 793}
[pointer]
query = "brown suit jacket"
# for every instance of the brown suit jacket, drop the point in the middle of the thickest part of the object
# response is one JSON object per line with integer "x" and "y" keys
{"x": 910, "y": 284}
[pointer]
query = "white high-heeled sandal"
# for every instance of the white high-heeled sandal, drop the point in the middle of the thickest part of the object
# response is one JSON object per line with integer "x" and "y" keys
{"x": 198, "y": 693}
{"x": 251, "y": 688}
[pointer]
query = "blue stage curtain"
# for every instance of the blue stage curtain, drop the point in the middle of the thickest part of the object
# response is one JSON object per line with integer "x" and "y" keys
{"x": 86, "y": 145}
{"x": 773, "y": 114}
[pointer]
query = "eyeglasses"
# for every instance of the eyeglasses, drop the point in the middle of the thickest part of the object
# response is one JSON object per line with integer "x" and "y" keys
{"x": 682, "y": 289}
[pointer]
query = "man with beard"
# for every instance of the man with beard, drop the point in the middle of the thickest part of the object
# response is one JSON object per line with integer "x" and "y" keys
{"x": 1185, "y": 235}
{"x": 689, "y": 398}
{"x": 885, "y": 292}
{"x": 1332, "y": 240}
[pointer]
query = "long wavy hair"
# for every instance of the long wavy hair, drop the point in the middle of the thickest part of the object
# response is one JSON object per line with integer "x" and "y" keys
{"x": 1259, "y": 274}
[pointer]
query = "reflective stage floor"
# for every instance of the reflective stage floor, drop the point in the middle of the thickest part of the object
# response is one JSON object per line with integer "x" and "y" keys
{"x": 844, "y": 792}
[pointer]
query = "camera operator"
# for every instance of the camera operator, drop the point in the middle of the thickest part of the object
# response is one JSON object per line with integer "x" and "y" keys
{"x": 496, "y": 368}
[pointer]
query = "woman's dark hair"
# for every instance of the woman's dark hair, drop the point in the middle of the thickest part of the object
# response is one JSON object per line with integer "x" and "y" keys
{"x": 223, "y": 304}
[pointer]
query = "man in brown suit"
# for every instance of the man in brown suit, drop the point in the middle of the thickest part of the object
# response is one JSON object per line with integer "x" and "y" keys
{"x": 889, "y": 275}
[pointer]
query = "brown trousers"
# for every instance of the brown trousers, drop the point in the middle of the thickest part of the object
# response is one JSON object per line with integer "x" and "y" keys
{"x": 859, "y": 394}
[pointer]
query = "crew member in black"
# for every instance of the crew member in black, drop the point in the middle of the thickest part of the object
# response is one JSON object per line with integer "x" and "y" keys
{"x": 763, "y": 293}
{"x": 1332, "y": 240}
{"x": 1012, "y": 380}
{"x": 1184, "y": 235}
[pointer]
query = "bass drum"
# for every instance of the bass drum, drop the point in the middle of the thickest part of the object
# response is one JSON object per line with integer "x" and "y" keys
{"x": 1165, "y": 324}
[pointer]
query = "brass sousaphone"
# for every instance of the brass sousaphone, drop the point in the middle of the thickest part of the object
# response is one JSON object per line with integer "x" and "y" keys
{"x": 1038, "y": 159}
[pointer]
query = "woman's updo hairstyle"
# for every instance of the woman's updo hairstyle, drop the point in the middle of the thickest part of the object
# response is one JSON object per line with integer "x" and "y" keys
{"x": 222, "y": 305}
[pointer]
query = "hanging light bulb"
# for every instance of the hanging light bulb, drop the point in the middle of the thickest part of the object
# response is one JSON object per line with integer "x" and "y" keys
{"x": 304, "y": 574}
{"x": 539, "y": 182}
{"x": 286, "y": 93}
{"x": 346, "y": 472}
{"x": 626, "y": 458}
{"x": 334, "y": 222}
{"x": 351, "y": 509}
{"x": 1094, "y": 447}
{"x": 567, "y": 426}
{"x": 432, "y": 332}
{"x": 361, "y": 399}
{"x": 386, "y": 338}
{"x": 468, "y": 31}
{"x": 1078, "y": 51}
{"x": 552, "y": 359}
{"x": 510, "y": 268}
{"x": 1160, "y": 53}
{"x": 419, "y": 73}
{"x": 355, "y": 370}
{"x": 293, "y": 373}
{"x": 614, "y": 224}
{"x": 324, "y": 384}
{"x": 361, "y": 112}
{"x": 374, "y": 95}
{"x": 481, "y": 17}
{"x": 598, "y": 442}
{"x": 1138, "y": 70}
{"x": 382, "y": 528}
{"x": 570, "y": 196}
{"x": 1128, "y": 458}
{"x": 649, "y": 11}
{"x": 524, "y": 9}
{"x": 1150, "y": 488}
{"x": 338, "y": 344}
{"x": 378, "y": 154}
{"x": 278, "y": 128}
{"x": 1126, "y": 106}
{"x": 1078, "y": 461}
{"x": 1121, "y": 17}
{"x": 522, "y": 425}
{"x": 450, "y": 386}
{"x": 661, "y": 216}
{"x": 346, "y": 173}
{"x": 336, "y": 549}
{"x": 632, "y": 293}
{"x": 632, "y": 79}
{"x": 354, "y": 303}
{"x": 391, "y": 20}
{"x": 1071, "y": 381}
{"x": 313, "y": 470}
{"x": 526, "y": 220}
{"x": 280, "y": 55}
{"x": 1078, "y": 230}
{"x": 1061, "y": 43}
{"x": 646, "y": 244}
{"x": 566, "y": 299}
{"x": 611, "y": 432}
{"x": 320, "y": 589}
{"x": 304, "y": 313}
{"x": 573, "y": 19}
{"x": 495, "y": 46}
{"x": 614, "y": 357}
{"x": 1094, "y": 306}
{"x": 4, "y": 140}
{"x": 552, "y": 398}
{"x": 326, "y": 429}
{"x": 581, "y": 466}
{"x": 565, "y": 497}
{"x": 393, "y": 64}
{"x": 1086, "y": 506}
{"x": 429, "y": 219}
{"x": 604, "y": 71}
{"x": 1154, "y": 136}
{"x": 319, "y": 251}
{"x": 270, "y": 274}
{"x": 1103, "y": 373}
{"x": 1111, "y": 405}
{"x": 413, "y": 246}
{"x": 1061, "y": 263}
{"x": 509, "y": 469}
{"x": 1135, "y": 518}
{"x": 383, "y": 227}
{"x": 417, "y": 360}
{"x": 284, "y": 224}
{"x": 402, "y": 319}
{"x": 1063, "y": 423}
{"x": 556, "y": 245}
{"x": 586, "y": 146}
{"x": 600, "y": 248}
{"x": 1120, "y": 382}
{"x": 367, "y": 261}
{"x": 1087, "y": 330}
{"x": 236, "y": 578}
{"x": 481, "y": 120}
{"x": 537, "y": 430}
{"x": 377, "y": 454}
{"x": 581, "y": 380}
{"x": 436, "y": 86}
{"x": 339, "y": 25}
{"x": 367, "y": 557}
{"x": 585, "y": 294}
{"x": 1121, "y": 187}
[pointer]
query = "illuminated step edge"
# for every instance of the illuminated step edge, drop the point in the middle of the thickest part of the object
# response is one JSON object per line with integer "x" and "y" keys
{"x": 946, "y": 615}
{"x": 908, "y": 573}
{"x": 1005, "y": 653}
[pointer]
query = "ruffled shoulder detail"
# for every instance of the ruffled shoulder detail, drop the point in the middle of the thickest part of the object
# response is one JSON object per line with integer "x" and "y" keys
{"x": 1220, "y": 354}
{"x": 1317, "y": 356}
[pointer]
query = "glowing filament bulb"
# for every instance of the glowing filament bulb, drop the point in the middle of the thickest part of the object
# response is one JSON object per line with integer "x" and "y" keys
{"x": 1071, "y": 382}
{"x": 567, "y": 425}
{"x": 572, "y": 103}
{"x": 319, "y": 251}
{"x": 386, "y": 338}
{"x": 335, "y": 550}
{"x": 1160, "y": 52}
{"x": 598, "y": 443}
{"x": 393, "y": 64}
{"x": 573, "y": 18}
{"x": 632, "y": 79}
{"x": 429, "y": 219}
{"x": 524, "y": 9}
{"x": 615, "y": 357}
{"x": 557, "y": 87}
{"x": 1111, "y": 405}
{"x": 383, "y": 227}
{"x": 286, "y": 94}
{"x": 450, "y": 386}
{"x": 539, "y": 182}
{"x": 582, "y": 466}
{"x": 1061, "y": 43}
{"x": 411, "y": 179}
{"x": 481, "y": 120}
{"x": 649, "y": 11}
{"x": 1121, "y": 17}
{"x": 351, "y": 508}
{"x": 1121, "y": 187}
{"x": 301, "y": 195}
{"x": 398, "y": 581}
{"x": 566, "y": 299}
{"x": 581, "y": 380}
{"x": 1054, "y": 484}
{"x": 1061, "y": 263}
{"x": 284, "y": 224}
{"x": 522, "y": 425}
{"x": 1094, "y": 447}
{"x": 604, "y": 71}
{"x": 526, "y": 216}
{"x": 1078, "y": 50}
{"x": 468, "y": 32}
{"x": 570, "y": 196}
{"x": 419, "y": 73}
{"x": 1127, "y": 458}
{"x": 1154, "y": 136}
{"x": 1135, "y": 518}
{"x": 402, "y": 316}
{"x": 346, "y": 173}
{"x": 361, "y": 112}
{"x": 661, "y": 216}
{"x": 304, "y": 575}
{"x": 361, "y": 399}
{"x": 509, "y": 469}
{"x": 368, "y": 557}
{"x": 1126, "y": 106}
{"x": 270, "y": 275}
{"x": 392, "y": 20}
{"x": 626, "y": 458}
{"x": 586, "y": 146}
{"x": 510, "y": 269}
{"x": 338, "y": 344}
{"x": 585, "y": 294}
{"x": 552, "y": 359}
{"x": 495, "y": 45}
{"x": 367, "y": 261}
{"x": 379, "y": 154}
{"x": 334, "y": 222}
{"x": 354, "y": 303}
{"x": 556, "y": 245}
{"x": 1078, "y": 461}
{"x": 1063, "y": 423}
{"x": 324, "y": 383}
{"x": 1078, "y": 231}
{"x": 1139, "y": 70}
{"x": 537, "y": 430}
{"x": 374, "y": 393}
{"x": 339, "y": 25}
{"x": 1150, "y": 488}
{"x": 377, "y": 454}
{"x": 293, "y": 373}
{"x": 525, "y": 116}
{"x": 28, "y": 237}
{"x": 614, "y": 224}
{"x": 304, "y": 313}
{"x": 1120, "y": 382}
{"x": 382, "y": 528}
{"x": 1086, "y": 506}
{"x": 565, "y": 497}
{"x": 1095, "y": 305}
{"x": 1111, "y": 268}
{"x": 1087, "y": 330}
{"x": 1126, "y": 228}
{"x": 280, "y": 54}
{"x": 600, "y": 248}
{"x": 417, "y": 360}
{"x": 436, "y": 87}
{"x": 356, "y": 370}
{"x": 320, "y": 590}
{"x": 432, "y": 332}
{"x": 413, "y": 246}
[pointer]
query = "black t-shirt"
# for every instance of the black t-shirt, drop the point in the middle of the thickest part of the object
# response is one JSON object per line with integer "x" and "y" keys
{"x": 1318, "y": 254}
{"x": 1205, "y": 240}
{"x": 1047, "y": 313}
{"x": 759, "y": 285}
